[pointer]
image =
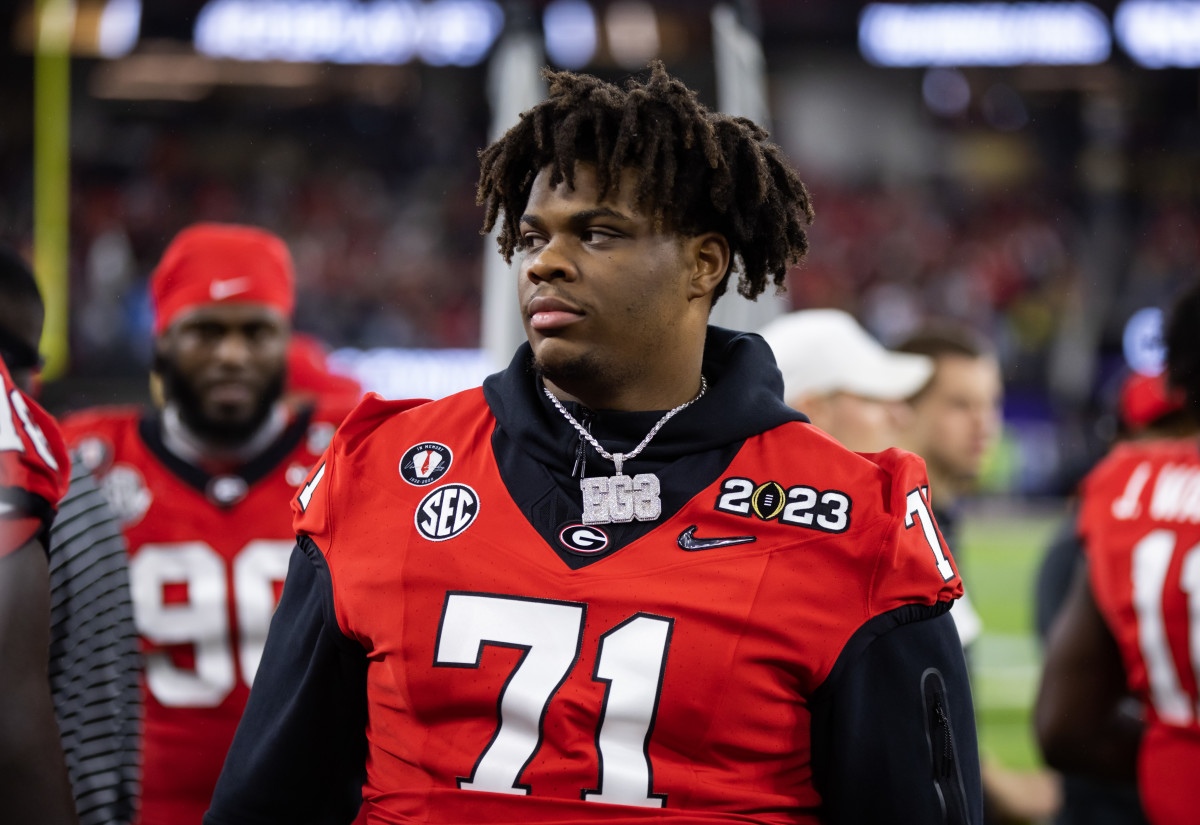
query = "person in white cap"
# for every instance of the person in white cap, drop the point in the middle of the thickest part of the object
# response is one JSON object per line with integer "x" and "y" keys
{"x": 845, "y": 381}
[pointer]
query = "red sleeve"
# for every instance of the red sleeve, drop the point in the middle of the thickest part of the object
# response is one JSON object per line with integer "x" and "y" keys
{"x": 311, "y": 510}
{"x": 914, "y": 565}
{"x": 34, "y": 468}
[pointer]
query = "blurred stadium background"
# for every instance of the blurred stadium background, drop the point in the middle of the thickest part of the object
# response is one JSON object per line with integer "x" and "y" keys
{"x": 1032, "y": 169}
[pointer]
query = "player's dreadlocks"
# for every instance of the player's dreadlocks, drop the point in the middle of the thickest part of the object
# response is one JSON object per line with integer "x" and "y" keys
{"x": 700, "y": 171}
{"x": 1182, "y": 339}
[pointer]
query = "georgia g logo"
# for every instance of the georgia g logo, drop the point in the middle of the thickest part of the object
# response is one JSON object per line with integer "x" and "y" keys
{"x": 583, "y": 539}
{"x": 446, "y": 512}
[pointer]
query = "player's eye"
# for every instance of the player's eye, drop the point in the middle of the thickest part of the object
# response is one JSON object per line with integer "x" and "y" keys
{"x": 532, "y": 240}
{"x": 208, "y": 332}
{"x": 596, "y": 235}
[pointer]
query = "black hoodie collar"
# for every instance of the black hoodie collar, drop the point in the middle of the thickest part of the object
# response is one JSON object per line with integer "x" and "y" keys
{"x": 745, "y": 398}
{"x": 539, "y": 453}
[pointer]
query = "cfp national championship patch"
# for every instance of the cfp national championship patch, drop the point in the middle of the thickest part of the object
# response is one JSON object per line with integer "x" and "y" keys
{"x": 425, "y": 463}
{"x": 799, "y": 505}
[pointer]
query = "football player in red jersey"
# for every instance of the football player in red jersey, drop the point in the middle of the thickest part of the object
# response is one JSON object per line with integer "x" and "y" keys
{"x": 34, "y": 470}
{"x": 1131, "y": 623}
{"x": 622, "y": 581}
{"x": 202, "y": 488}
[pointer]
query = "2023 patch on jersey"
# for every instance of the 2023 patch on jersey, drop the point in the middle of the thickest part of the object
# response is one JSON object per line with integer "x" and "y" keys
{"x": 671, "y": 676}
{"x": 1140, "y": 523}
{"x": 207, "y": 560}
{"x": 34, "y": 468}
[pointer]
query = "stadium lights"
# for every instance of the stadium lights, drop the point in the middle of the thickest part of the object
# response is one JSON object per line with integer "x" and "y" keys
{"x": 118, "y": 30}
{"x": 439, "y": 32}
{"x": 1160, "y": 34}
{"x": 983, "y": 34}
{"x": 571, "y": 35}
{"x": 1142, "y": 343}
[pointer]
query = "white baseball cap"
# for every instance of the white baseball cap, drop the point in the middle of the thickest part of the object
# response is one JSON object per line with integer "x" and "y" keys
{"x": 821, "y": 351}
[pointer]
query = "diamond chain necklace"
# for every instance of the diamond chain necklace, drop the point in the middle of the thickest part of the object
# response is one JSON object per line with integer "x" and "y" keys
{"x": 621, "y": 498}
{"x": 619, "y": 459}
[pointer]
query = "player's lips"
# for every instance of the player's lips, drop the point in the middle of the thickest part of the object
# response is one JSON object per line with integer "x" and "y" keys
{"x": 548, "y": 313}
{"x": 230, "y": 392}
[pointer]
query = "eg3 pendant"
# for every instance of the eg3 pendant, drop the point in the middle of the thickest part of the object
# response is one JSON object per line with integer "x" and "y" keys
{"x": 620, "y": 499}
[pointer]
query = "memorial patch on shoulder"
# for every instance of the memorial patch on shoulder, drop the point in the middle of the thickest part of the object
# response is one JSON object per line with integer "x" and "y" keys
{"x": 424, "y": 463}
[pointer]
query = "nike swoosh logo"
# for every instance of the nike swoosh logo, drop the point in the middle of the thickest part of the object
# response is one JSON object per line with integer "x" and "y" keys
{"x": 688, "y": 540}
{"x": 220, "y": 290}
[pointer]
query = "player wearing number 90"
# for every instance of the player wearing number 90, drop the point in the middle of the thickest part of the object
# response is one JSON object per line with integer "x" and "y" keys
{"x": 1131, "y": 623}
{"x": 202, "y": 489}
{"x": 34, "y": 472}
{"x": 621, "y": 581}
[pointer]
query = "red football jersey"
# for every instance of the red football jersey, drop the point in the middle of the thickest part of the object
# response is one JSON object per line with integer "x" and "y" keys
{"x": 207, "y": 559}
{"x": 667, "y": 680}
{"x": 1140, "y": 523}
{"x": 34, "y": 468}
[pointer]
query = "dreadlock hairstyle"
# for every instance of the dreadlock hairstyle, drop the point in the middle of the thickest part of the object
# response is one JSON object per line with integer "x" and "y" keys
{"x": 19, "y": 300}
{"x": 1183, "y": 348}
{"x": 699, "y": 171}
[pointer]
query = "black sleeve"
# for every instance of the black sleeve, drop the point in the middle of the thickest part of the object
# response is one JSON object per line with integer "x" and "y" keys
{"x": 893, "y": 727}
{"x": 300, "y": 750}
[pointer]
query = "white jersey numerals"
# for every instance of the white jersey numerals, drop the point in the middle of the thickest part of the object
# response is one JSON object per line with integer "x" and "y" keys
{"x": 181, "y": 597}
{"x": 1151, "y": 560}
{"x": 630, "y": 662}
{"x": 918, "y": 506}
{"x": 14, "y": 413}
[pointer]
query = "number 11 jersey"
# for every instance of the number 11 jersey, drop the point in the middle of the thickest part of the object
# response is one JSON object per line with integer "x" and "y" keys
{"x": 1140, "y": 523}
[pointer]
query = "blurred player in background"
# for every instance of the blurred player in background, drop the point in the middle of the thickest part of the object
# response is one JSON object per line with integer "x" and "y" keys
{"x": 34, "y": 470}
{"x": 202, "y": 489}
{"x": 1146, "y": 409}
{"x": 1130, "y": 624}
{"x": 844, "y": 380}
{"x": 954, "y": 419}
{"x": 94, "y": 662}
{"x": 952, "y": 423}
{"x": 622, "y": 581}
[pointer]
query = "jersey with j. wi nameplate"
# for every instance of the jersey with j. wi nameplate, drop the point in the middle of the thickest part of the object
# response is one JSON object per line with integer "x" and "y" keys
{"x": 496, "y": 666}
{"x": 1140, "y": 524}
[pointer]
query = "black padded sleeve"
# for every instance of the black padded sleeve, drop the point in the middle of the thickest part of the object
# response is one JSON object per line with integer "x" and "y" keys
{"x": 893, "y": 727}
{"x": 300, "y": 749}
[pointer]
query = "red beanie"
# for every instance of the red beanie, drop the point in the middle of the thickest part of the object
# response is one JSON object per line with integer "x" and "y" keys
{"x": 1147, "y": 398}
{"x": 212, "y": 263}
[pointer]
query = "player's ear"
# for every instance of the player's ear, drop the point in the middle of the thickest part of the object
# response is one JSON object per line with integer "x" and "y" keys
{"x": 710, "y": 259}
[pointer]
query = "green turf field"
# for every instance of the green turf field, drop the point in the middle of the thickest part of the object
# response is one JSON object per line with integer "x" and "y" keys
{"x": 1002, "y": 545}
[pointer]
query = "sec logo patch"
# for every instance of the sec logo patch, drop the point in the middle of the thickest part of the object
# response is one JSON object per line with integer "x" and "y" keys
{"x": 446, "y": 512}
{"x": 425, "y": 463}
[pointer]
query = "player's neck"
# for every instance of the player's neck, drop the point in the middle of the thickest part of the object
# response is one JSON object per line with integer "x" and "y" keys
{"x": 195, "y": 449}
